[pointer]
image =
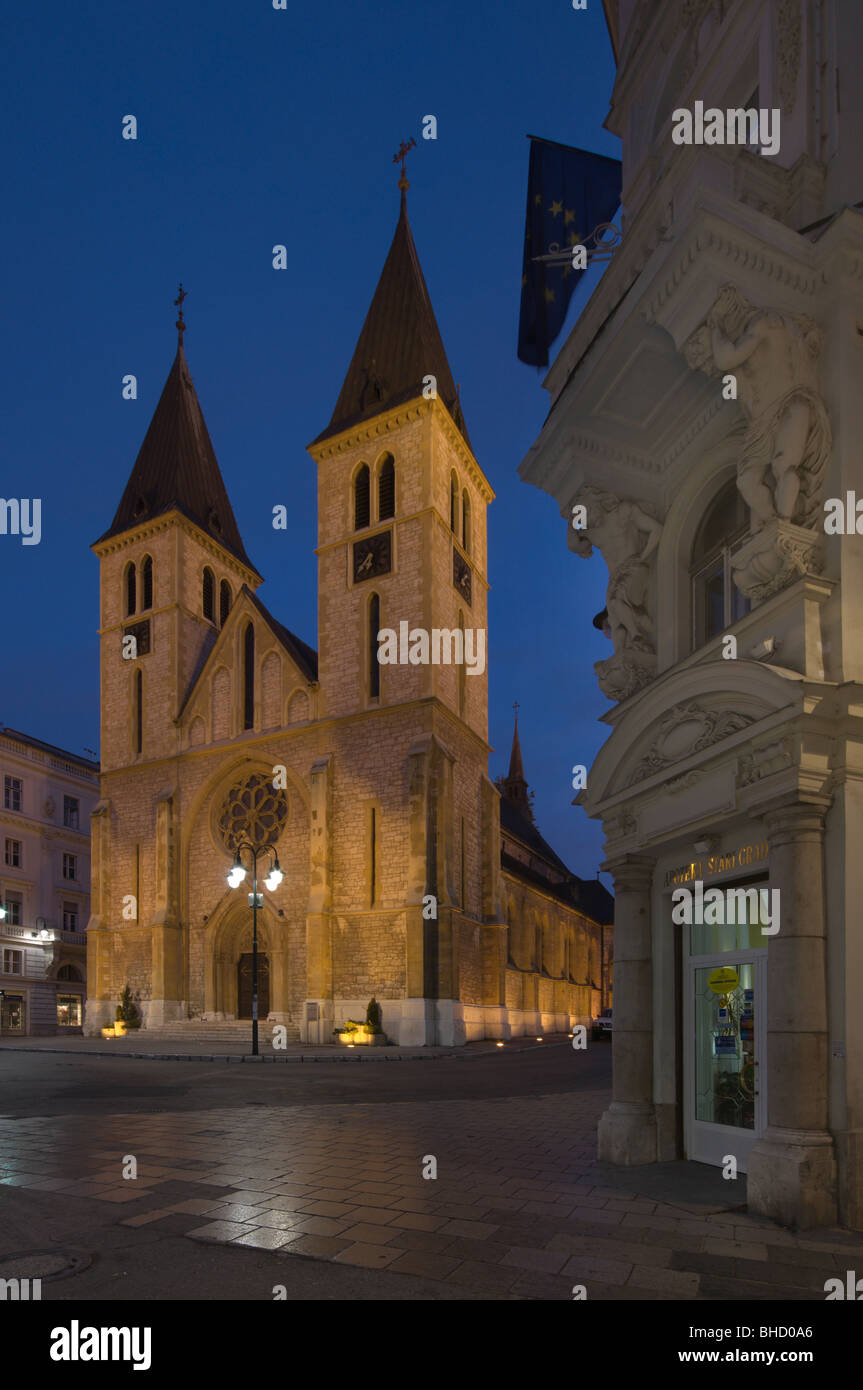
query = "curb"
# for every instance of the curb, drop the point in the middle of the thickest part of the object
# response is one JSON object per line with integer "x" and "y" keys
{"x": 247, "y": 1057}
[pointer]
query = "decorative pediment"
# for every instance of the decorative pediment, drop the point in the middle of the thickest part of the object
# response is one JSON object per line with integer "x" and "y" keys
{"x": 684, "y": 730}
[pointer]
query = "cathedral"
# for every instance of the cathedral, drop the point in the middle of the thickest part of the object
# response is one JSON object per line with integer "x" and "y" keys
{"x": 408, "y": 875}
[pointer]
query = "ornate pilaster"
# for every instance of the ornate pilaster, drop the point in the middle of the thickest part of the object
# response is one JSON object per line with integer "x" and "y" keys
{"x": 792, "y": 1168}
{"x": 627, "y": 1130}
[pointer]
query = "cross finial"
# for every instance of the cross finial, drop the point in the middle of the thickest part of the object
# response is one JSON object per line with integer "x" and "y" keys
{"x": 516, "y": 707}
{"x": 181, "y": 324}
{"x": 402, "y": 155}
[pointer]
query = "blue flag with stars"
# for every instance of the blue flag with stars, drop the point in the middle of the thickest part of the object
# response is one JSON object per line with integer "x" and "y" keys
{"x": 569, "y": 193}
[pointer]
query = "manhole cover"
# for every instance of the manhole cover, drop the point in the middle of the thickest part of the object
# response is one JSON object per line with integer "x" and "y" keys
{"x": 42, "y": 1264}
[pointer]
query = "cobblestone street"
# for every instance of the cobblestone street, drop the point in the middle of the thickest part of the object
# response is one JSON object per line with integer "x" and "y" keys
{"x": 519, "y": 1207}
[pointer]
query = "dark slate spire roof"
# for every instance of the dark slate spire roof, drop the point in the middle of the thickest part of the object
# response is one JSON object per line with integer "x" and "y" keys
{"x": 400, "y": 343}
{"x": 514, "y": 786}
{"x": 176, "y": 468}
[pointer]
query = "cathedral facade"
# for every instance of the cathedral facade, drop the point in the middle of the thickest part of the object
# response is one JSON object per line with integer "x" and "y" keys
{"x": 368, "y": 780}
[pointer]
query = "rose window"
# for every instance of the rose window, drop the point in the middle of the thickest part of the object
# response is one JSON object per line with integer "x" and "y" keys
{"x": 253, "y": 810}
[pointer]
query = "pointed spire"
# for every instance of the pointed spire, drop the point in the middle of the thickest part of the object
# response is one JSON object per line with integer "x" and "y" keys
{"x": 516, "y": 769}
{"x": 400, "y": 343}
{"x": 514, "y": 786}
{"x": 176, "y": 467}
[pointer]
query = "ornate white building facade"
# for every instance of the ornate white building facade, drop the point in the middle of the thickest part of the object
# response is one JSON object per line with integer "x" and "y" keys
{"x": 704, "y": 409}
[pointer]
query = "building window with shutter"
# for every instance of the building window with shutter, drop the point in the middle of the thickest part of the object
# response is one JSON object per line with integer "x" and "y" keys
{"x": 146, "y": 583}
{"x": 209, "y": 595}
{"x": 386, "y": 488}
{"x": 225, "y": 597}
{"x": 362, "y": 498}
{"x": 131, "y": 589}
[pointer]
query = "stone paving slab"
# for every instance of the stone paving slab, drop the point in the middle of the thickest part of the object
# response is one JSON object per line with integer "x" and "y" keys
{"x": 512, "y": 1214}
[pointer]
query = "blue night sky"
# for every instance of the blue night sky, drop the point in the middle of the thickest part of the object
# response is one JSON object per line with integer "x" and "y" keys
{"x": 257, "y": 127}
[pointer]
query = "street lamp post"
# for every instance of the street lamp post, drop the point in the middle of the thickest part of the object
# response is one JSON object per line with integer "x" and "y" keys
{"x": 256, "y": 900}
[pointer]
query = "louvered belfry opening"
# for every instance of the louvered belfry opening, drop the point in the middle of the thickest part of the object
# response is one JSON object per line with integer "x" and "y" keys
{"x": 386, "y": 488}
{"x": 362, "y": 498}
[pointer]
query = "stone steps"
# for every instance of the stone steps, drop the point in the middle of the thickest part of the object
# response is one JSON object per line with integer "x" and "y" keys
{"x": 194, "y": 1030}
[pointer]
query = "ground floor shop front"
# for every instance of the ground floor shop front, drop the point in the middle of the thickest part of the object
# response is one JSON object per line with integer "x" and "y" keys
{"x": 729, "y": 1026}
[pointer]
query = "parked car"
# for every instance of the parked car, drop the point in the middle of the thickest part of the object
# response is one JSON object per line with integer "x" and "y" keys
{"x": 602, "y": 1024}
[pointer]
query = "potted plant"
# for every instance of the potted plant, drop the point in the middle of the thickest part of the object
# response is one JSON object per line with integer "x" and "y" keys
{"x": 127, "y": 1011}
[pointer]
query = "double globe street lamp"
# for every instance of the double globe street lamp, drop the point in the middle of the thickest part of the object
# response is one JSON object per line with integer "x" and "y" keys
{"x": 235, "y": 877}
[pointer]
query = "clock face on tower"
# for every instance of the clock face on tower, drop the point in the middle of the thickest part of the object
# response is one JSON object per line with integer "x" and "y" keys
{"x": 373, "y": 556}
{"x": 461, "y": 575}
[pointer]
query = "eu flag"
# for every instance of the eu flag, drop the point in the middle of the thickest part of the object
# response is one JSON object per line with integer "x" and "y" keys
{"x": 569, "y": 192}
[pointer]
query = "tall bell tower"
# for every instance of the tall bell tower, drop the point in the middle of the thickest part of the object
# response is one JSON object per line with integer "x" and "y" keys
{"x": 401, "y": 513}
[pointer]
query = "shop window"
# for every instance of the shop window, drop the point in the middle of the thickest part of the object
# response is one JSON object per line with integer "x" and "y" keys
{"x": 716, "y": 601}
{"x": 69, "y": 1010}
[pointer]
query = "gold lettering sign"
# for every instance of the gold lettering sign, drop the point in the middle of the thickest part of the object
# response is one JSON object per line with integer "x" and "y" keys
{"x": 718, "y": 864}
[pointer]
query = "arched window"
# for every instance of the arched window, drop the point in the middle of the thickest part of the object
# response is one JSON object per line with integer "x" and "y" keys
{"x": 374, "y": 664}
{"x": 68, "y": 972}
{"x": 131, "y": 590}
{"x": 249, "y": 677}
{"x": 139, "y": 712}
{"x": 453, "y": 503}
{"x": 209, "y": 594}
{"x": 465, "y": 520}
{"x": 146, "y": 583}
{"x": 386, "y": 488}
{"x": 225, "y": 597}
{"x": 716, "y": 601}
{"x": 362, "y": 502}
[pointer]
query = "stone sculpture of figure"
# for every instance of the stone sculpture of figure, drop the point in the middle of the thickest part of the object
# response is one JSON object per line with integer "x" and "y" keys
{"x": 626, "y": 536}
{"x": 774, "y": 358}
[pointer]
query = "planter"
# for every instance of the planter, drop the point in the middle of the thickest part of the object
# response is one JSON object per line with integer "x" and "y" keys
{"x": 360, "y": 1037}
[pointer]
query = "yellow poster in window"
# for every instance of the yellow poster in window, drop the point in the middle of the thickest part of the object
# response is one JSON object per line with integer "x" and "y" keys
{"x": 723, "y": 980}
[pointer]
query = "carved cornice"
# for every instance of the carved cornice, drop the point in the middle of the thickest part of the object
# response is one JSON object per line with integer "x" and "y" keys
{"x": 763, "y": 762}
{"x": 164, "y": 523}
{"x": 772, "y": 265}
{"x": 602, "y": 449}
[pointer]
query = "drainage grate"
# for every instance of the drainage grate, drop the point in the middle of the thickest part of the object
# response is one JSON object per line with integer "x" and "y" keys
{"x": 43, "y": 1264}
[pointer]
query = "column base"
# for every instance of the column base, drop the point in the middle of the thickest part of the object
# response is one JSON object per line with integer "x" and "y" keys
{"x": 98, "y": 1014}
{"x": 155, "y": 1012}
{"x": 791, "y": 1177}
{"x": 627, "y": 1134}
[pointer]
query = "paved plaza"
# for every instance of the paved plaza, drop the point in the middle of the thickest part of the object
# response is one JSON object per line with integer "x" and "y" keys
{"x": 519, "y": 1208}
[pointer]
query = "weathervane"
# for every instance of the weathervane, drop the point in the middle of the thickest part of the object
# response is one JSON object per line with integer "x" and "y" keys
{"x": 402, "y": 155}
{"x": 181, "y": 324}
